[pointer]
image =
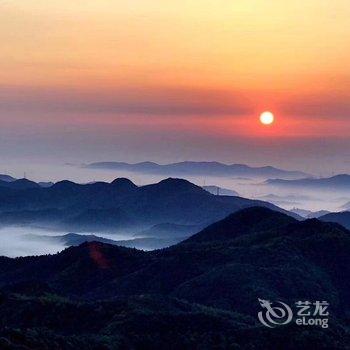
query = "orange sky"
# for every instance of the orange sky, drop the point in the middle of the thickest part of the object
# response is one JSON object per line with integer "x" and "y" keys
{"x": 205, "y": 66}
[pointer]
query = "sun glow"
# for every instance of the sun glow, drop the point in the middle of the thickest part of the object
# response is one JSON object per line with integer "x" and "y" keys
{"x": 267, "y": 118}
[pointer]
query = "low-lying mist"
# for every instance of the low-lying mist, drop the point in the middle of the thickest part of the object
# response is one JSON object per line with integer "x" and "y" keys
{"x": 16, "y": 241}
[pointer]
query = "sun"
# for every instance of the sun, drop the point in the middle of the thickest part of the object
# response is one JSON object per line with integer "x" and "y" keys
{"x": 267, "y": 118}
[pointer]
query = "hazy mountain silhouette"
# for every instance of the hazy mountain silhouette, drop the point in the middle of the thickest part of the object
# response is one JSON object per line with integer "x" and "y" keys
{"x": 205, "y": 289}
{"x": 11, "y": 182}
{"x": 220, "y": 191}
{"x": 309, "y": 214}
{"x": 346, "y": 206}
{"x": 342, "y": 218}
{"x": 74, "y": 239}
{"x": 6, "y": 178}
{"x": 69, "y": 239}
{"x": 117, "y": 205}
{"x": 21, "y": 184}
{"x": 338, "y": 182}
{"x": 199, "y": 168}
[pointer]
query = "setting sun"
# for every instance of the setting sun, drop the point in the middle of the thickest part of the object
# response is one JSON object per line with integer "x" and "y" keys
{"x": 267, "y": 118}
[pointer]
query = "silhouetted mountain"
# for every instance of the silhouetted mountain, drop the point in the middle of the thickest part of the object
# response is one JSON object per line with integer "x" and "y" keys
{"x": 250, "y": 238}
{"x": 74, "y": 239}
{"x": 69, "y": 239}
{"x": 286, "y": 200}
{"x": 202, "y": 292}
{"x": 123, "y": 184}
{"x": 346, "y": 206}
{"x": 338, "y": 182}
{"x": 6, "y": 178}
{"x": 317, "y": 214}
{"x": 199, "y": 168}
{"x": 244, "y": 222}
{"x": 342, "y": 218}
{"x": 309, "y": 214}
{"x": 220, "y": 191}
{"x": 118, "y": 205}
{"x": 302, "y": 212}
{"x": 21, "y": 184}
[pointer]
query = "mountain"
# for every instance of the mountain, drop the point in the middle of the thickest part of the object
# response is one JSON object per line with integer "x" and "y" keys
{"x": 338, "y": 182}
{"x": 6, "y": 178}
{"x": 248, "y": 239}
{"x": 302, "y": 212}
{"x": 74, "y": 239}
{"x": 342, "y": 218}
{"x": 69, "y": 239}
{"x": 309, "y": 214}
{"x": 286, "y": 200}
{"x": 119, "y": 205}
{"x": 21, "y": 184}
{"x": 201, "y": 293}
{"x": 245, "y": 222}
{"x": 317, "y": 214}
{"x": 199, "y": 168}
{"x": 220, "y": 191}
{"x": 346, "y": 206}
{"x": 10, "y": 182}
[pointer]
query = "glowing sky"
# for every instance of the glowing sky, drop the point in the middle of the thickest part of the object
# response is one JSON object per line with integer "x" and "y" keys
{"x": 169, "y": 80}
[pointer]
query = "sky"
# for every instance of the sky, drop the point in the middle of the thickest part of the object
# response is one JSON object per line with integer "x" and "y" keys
{"x": 161, "y": 80}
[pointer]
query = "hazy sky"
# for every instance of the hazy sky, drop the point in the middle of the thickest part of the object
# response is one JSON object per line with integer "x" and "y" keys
{"x": 89, "y": 80}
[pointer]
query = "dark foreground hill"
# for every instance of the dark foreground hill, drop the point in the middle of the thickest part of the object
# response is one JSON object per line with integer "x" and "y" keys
{"x": 116, "y": 206}
{"x": 200, "y": 294}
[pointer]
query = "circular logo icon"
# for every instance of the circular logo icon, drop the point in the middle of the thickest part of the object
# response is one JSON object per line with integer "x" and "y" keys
{"x": 274, "y": 314}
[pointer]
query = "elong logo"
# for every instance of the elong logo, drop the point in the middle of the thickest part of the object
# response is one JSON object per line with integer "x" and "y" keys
{"x": 274, "y": 315}
{"x": 308, "y": 313}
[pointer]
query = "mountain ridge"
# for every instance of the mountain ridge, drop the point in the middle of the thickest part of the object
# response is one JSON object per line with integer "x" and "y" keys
{"x": 341, "y": 182}
{"x": 119, "y": 205}
{"x": 198, "y": 168}
{"x": 194, "y": 293}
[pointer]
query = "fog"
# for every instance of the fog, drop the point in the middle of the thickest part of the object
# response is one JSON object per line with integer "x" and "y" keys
{"x": 15, "y": 241}
{"x": 249, "y": 188}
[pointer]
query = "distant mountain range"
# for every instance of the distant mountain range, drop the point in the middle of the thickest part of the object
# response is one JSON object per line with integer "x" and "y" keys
{"x": 220, "y": 191}
{"x": 115, "y": 206}
{"x": 201, "y": 293}
{"x": 342, "y": 218}
{"x": 338, "y": 182}
{"x": 346, "y": 206}
{"x": 74, "y": 239}
{"x": 200, "y": 168}
{"x": 309, "y": 214}
{"x": 11, "y": 182}
{"x": 6, "y": 178}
